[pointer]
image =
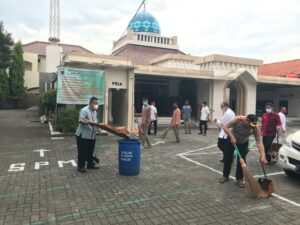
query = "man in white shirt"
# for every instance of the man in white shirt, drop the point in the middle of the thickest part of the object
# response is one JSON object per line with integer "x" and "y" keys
{"x": 204, "y": 118}
{"x": 283, "y": 118}
{"x": 228, "y": 115}
{"x": 153, "y": 118}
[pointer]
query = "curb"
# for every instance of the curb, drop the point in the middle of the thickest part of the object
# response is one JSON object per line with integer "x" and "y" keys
{"x": 61, "y": 134}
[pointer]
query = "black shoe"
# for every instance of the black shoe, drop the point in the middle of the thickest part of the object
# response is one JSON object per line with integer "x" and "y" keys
{"x": 81, "y": 170}
{"x": 200, "y": 133}
{"x": 93, "y": 167}
{"x": 222, "y": 160}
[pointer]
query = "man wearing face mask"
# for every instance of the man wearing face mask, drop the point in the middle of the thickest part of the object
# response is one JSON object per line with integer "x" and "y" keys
{"x": 228, "y": 115}
{"x": 271, "y": 124}
{"x": 86, "y": 135}
{"x": 146, "y": 121}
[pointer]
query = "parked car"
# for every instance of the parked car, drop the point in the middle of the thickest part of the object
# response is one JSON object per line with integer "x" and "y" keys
{"x": 289, "y": 154}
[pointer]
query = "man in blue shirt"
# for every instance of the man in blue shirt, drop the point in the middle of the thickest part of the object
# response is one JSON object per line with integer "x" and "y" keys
{"x": 186, "y": 115}
{"x": 86, "y": 135}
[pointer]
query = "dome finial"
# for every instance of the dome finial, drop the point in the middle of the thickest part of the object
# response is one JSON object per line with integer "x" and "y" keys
{"x": 145, "y": 5}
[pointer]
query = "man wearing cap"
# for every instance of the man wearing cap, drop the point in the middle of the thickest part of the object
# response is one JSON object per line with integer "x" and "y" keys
{"x": 239, "y": 130}
{"x": 271, "y": 124}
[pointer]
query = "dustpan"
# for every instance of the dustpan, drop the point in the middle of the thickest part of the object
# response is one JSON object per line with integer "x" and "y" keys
{"x": 266, "y": 184}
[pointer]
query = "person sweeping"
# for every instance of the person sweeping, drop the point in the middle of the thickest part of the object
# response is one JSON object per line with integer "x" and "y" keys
{"x": 239, "y": 130}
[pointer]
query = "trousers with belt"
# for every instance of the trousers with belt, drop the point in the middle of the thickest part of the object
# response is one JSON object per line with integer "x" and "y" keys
{"x": 85, "y": 148}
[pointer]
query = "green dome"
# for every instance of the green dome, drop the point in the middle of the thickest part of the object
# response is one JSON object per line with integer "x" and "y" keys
{"x": 144, "y": 22}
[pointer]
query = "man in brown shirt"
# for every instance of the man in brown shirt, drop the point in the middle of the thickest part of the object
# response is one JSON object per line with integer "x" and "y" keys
{"x": 175, "y": 122}
{"x": 146, "y": 121}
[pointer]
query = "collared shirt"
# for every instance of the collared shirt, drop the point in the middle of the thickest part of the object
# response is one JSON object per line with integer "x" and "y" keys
{"x": 228, "y": 115}
{"x": 146, "y": 115}
{"x": 153, "y": 113}
{"x": 186, "y": 112}
{"x": 176, "y": 117}
{"x": 242, "y": 132}
{"x": 283, "y": 120}
{"x": 270, "y": 121}
{"x": 204, "y": 113}
{"x": 87, "y": 131}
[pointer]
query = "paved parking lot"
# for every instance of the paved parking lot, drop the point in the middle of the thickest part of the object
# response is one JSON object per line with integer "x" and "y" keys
{"x": 178, "y": 183}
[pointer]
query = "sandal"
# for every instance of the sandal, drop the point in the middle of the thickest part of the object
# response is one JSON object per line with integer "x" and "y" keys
{"x": 240, "y": 183}
{"x": 223, "y": 180}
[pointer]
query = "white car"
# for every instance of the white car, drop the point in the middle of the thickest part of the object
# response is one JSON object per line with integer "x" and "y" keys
{"x": 289, "y": 154}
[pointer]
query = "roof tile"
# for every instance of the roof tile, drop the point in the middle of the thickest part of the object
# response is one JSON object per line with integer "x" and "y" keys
{"x": 280, "y": 69}
{"x": 142, "y": 55}
{"x": 39, "y": 47}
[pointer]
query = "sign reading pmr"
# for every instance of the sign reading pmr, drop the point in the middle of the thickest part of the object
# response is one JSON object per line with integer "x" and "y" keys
{"x": 77, "y": 86}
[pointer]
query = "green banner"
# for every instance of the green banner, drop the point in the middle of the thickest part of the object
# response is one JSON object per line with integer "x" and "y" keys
{"x": 77, "y": 86}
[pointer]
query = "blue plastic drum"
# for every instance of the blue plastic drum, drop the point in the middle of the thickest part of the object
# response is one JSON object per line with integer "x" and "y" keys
{"x": 129, "y": 157}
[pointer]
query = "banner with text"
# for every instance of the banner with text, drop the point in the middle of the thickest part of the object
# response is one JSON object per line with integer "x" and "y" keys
{"x": 77, "y": 86}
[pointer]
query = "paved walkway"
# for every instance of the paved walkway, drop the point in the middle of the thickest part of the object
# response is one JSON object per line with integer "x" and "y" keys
{"x": 178, "y": 183}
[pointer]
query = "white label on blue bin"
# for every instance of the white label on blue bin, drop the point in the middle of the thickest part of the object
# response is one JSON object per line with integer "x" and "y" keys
{"x": 126, "y": 156}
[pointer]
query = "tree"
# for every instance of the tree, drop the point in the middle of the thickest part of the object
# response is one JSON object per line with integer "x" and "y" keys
{"x": 4, "y": 88}
{"x": 6, "y": 43}
{"x": 16, "y": 74}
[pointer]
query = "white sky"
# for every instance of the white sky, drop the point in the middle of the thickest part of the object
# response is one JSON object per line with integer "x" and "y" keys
{"x": 262, "y": 29}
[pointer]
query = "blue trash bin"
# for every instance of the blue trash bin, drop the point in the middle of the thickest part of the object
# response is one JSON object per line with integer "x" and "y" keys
{"x": 129, "y": 157}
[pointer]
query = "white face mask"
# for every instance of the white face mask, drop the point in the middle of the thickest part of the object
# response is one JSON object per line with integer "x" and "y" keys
{"x": 268, "y": 110}
{"x": 95, "y": 107}
{"x": 145, "y": 103}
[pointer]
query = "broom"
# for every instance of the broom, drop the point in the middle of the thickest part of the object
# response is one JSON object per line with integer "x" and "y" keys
{"x": 165, "y": 133}
{"x": 252, "y": 186}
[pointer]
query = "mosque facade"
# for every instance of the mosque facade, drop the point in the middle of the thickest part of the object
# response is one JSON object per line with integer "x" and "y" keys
{"x": 154, "y": 67}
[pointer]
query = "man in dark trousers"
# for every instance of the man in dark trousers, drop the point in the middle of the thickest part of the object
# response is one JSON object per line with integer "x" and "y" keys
{"x": 239, "y": 130}
{"x": 271, "y": 124}
{"x": 86, "y": 135}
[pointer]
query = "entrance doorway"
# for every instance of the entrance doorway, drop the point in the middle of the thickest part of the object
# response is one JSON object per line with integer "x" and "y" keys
{"x": 117, "y": 107}
{"x": 235, "y": 95}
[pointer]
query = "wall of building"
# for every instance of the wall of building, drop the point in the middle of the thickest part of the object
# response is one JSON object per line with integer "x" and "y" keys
{"x": 53, "y": 58}
{"x": 290, "y": 94}
{"x": 31, "y": 76}
{"x": 217, "y": 96}
{"x": 173, "y": 63}
{"x": 42, "y": 64}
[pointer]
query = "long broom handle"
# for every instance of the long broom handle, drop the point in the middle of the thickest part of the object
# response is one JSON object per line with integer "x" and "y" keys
{"x": 237, "y": 151}
{"x": 242, "y": 161}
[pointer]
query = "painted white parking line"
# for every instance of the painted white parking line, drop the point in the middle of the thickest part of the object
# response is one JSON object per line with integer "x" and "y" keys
{"x": 232, "y": 177}
{"x": 159, "y": 142}
{"x": 286, "y": 200}
{"x": 204, "y": 153}
{"x": 199, "y": 149}
{"x": 270, "y": 174}
{"x": 57, "y": 138}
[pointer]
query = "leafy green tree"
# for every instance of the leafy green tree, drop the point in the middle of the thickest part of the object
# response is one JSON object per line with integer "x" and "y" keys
{"x": 16, "y": 74}
{"x": 4, "y": 88}
{"x": 6, "y": 43}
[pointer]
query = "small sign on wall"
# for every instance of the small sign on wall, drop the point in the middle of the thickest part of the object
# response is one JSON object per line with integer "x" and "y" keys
{"x": 116, "y": 79}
